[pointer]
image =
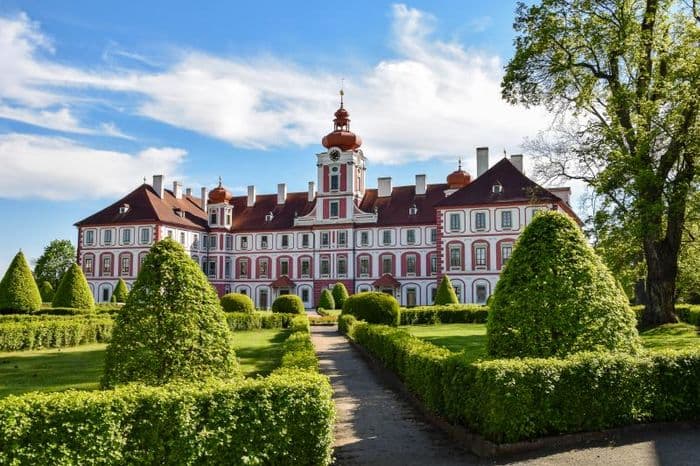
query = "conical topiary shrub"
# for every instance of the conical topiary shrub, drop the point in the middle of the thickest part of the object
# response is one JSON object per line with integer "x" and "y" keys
{"x": 340, "y": 295}
{"x": 74, "y": 291}
{"x": 556, "y": 297}
{"x": 326, "y": 300}
{"x": 171, "y": 327}
{"x": 18, "y": 290}
{"x": 120, "y": 292}
{"x": 46, "y": 291}
{"x": 446, "y": 293}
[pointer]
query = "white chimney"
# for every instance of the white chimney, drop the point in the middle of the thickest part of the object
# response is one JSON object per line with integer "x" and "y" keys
{"x": 482, "y": 160}
{"x": 563, "y": 193}
{"x": 281, "y": 193}
{"x": 158, "y": 185}
{"x": 384, "y": 186}
{"x": 204, "y": 199}
{"x": 177, "y": 189}
{"x": 517, "y": 161}
{"x": 251, "y": 196}
{"x": 421, "y": 185}
{"x": 312, "y": 191}
{"x": 188, "y": 191}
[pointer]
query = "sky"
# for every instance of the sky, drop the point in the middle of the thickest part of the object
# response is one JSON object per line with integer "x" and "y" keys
{"x": 97, "y": 96}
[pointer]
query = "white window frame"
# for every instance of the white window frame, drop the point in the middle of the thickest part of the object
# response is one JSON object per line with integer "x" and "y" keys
{"x": 364, "y": 264}
{"x": 411, "y": 258}
{"x": 411, "y": 236}
{"x": 386, "y": 237}
{"x": 455, "y": 265}
{"x": 334, "y": 205}
{"x": 342, "y": 239}
{"x": 506, "y": 225}
{"x": 89, "y": 237}
{"x": 481, "y": 215}
{"x": 455, "y": 221}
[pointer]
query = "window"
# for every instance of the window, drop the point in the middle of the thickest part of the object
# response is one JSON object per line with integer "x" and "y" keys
{"x": 213, "y": 217}
{"x": 387, "y": 264}
{"x": 284, "y": 267}
{"x": 335, "y": 178}
{"x": 305, "y": 240}
{"x": 433, "y": 265}
{"x": 325, "y": 267}
{"x": 125, "y": 265}
{"x": 480, "y": 220}
{"x": 145, "y": 235}
{"x": 89, "y": 238}
{"x": 142, "y": 258}
{"x": 342, "y": 266}
{"x": 170, "y": 234}
{"x": 480, "y": 256}
{"x": 458, "y": 292}
{"x": 244, "y": 242}
{"x": 243, "y": 268}
{"x": 455, "y": 257}
{"x": 264, "y": 244}
{"x": 126, "y": 236}
{"x": 364, "y": 238}
{"x": 455, "y": 222}
{"x": 305, "y": 295}
{"x": 229, "y": 217}
{"x": 227, "y": 268}
{"x": 285, "y": 241}
{"x": 335, "y": 209}
{"x": 506, "y": 251}
{"x": 212, "y": 242}
{"x": 229, "y": 242}
{"x": 411, "y": 264}
{"x": 411, "y": 236}
{"x": 182, "y": 237}
{"x": 195, "y": 241}
{"x": 263, "y": 268}
{"x": 433, "y": 235}
{"x": 364, "y": 266}
{"x": 88, "y": 266}
{"x": 497, "y": 188}
{"x": 107, "y": 237}
{"x": 481, "y": 293}
{"x": 305, "y": 268}
{"x": 262, "y": 299}
{"x": 506, "y": 219}
{"x": 212, "y": 268}
{"x": 411, "y": 295}
{"x": 325, "y": 239}
{"x": 386, "y": 237}
{"x": 106, "y": 264}
{"x": 342, "y": 239}
{"x": 433, "y": 294}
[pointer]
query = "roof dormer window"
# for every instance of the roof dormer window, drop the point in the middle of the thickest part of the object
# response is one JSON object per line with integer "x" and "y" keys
{"x": 179, "y": 212}
{"x": 269, "y": 217}
{"x": 413, "y": 210}
{"x": 124, "y": 208}
{"x": 497, "y": 188}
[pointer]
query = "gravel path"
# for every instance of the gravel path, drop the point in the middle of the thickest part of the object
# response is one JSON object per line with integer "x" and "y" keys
{"x": 375, "y": 426}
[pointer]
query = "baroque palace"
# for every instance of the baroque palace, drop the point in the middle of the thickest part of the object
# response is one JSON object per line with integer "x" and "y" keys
{"x": 396, "y": 239}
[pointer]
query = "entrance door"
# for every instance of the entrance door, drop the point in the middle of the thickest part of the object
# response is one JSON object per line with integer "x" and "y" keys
{"x": 105, "y": 295}
{"x": 284, "y": 291}
{"x": 262, "y": 299}
{"x": 411, "y": 297}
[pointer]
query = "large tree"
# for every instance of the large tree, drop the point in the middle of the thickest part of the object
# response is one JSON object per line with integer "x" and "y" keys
{"x": 627, "y": 74}
{"x": 54, "y": 262}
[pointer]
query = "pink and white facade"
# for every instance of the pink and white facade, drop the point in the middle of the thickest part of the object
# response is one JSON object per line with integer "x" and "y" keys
{"x": 397, "y": 239}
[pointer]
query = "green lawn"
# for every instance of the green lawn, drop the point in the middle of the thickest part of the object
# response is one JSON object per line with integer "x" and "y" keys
{"x": 80, "y": 367}
{"x": 472, "y": 337}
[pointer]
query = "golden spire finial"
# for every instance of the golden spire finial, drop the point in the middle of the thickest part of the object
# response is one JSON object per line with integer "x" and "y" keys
{"x": 459, "y": 165}
{"x": 219, "y": 181}
{"x": 342, "y": 93}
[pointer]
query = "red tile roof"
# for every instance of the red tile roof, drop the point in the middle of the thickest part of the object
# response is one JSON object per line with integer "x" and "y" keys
{"x": 282, "y": 282}
{"x": 516, "y": 187}
{"x": 253, "y": 218}
{"x": 386, "y": 281}
{"x": 393, "y": 210}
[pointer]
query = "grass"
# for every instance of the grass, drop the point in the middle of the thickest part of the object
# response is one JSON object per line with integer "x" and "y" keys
{"x": 471, "y": 338}
{"x": 80, "y": 367}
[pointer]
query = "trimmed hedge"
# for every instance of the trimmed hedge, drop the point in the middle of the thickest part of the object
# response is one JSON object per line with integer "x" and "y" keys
{"x": 30, "y": 332}
{"x": 447, "y": 314}
{"x": 508, "y": 400}
{"x": 326, "y": 300}
{"x": 258, "y": 320}
{"x": 374, "y": 307}
{"x": 285, "y": 418}
{"x": 18, "y": 290}
{"x": 288, "y": 304}
{"x": 340, "y": 295}
{"x": 446, "y": 294}
{"x": 298, "y": 349}
{"x": 73, "y": 290}
{"x": 688, "y": 313}
{"x": 121, "y": 292}
{"x": 237, "y": 302}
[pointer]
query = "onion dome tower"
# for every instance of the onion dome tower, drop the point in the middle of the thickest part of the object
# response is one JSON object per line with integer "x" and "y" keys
{"x": 458, "y": 178}
{"x": 341, "y": 136}
{"x": 219, "y": 195}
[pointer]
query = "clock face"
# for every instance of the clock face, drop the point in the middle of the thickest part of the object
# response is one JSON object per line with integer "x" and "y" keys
{"x": 335, "y": 154}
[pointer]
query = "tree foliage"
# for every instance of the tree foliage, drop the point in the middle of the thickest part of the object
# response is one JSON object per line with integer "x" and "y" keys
{"x": 625, "y": 75}
{"x": 445, "y": 293}
{"x": 556, "y": 297}
{"x": 46, "y": 291}
{"x": 237, "y": 302}
{"x": 340, "y": 294}
{"x": 326, "y": 300}
{"x": 74, "y": 291}
{"x": 54, "y": 262}
{"x": 18, "y": 290}
{"x": 172, "y": 326}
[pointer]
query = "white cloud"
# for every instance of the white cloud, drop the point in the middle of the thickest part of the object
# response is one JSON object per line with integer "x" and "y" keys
{"x": 58, "y": 169}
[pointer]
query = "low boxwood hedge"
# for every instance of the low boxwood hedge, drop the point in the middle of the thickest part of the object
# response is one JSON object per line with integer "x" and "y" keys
{"x": 285, "y": 418}
{"x": 374, "y": 307}
{"x": 237, "y": 302}
{"x": 288, "y": 304}
{"x": 507, "y": 400}
{"x": 447, "y": 314}
{"x": 258, "y": 320}
{"x": 298, "y": 350}
{"x": 36, "y": 332}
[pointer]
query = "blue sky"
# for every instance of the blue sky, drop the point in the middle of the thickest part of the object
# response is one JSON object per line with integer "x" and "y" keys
{"x": 95, "y": 96}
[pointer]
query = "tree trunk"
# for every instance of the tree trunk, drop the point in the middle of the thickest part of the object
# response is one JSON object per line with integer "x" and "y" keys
{"x": 662, "y": 269}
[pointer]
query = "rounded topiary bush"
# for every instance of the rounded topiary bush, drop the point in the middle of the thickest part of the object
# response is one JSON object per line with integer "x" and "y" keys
{"x": 121, "y": 292}
{"x": 237, "y": 302}
{"x": 445, "y": 292}
{"x": 74, "y": 291}
{"x": 556, "y": 297}
{"x": 340, "y": 294}
{"x": 172, "y": 326}
{"x": 326, "y": 300}
{"x": 373, "y": 307}
{"x": 46, "y": 291}
{"x": 18, "y": 290}
{"x": 289, "y": 304}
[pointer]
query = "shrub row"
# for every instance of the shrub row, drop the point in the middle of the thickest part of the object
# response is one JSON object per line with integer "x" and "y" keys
{"x": 36, "y": 332}
{"x": 286, "y": 418}
{"x": 507, "y": 400}
{"x": 688, "y": 313}
{"x": 258, "y": 320}
{"x": 445, "y": 314}
{"x": 298, "y": 350}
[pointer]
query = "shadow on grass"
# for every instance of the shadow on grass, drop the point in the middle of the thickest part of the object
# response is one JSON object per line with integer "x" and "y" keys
{"x": 473, "y": 346}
